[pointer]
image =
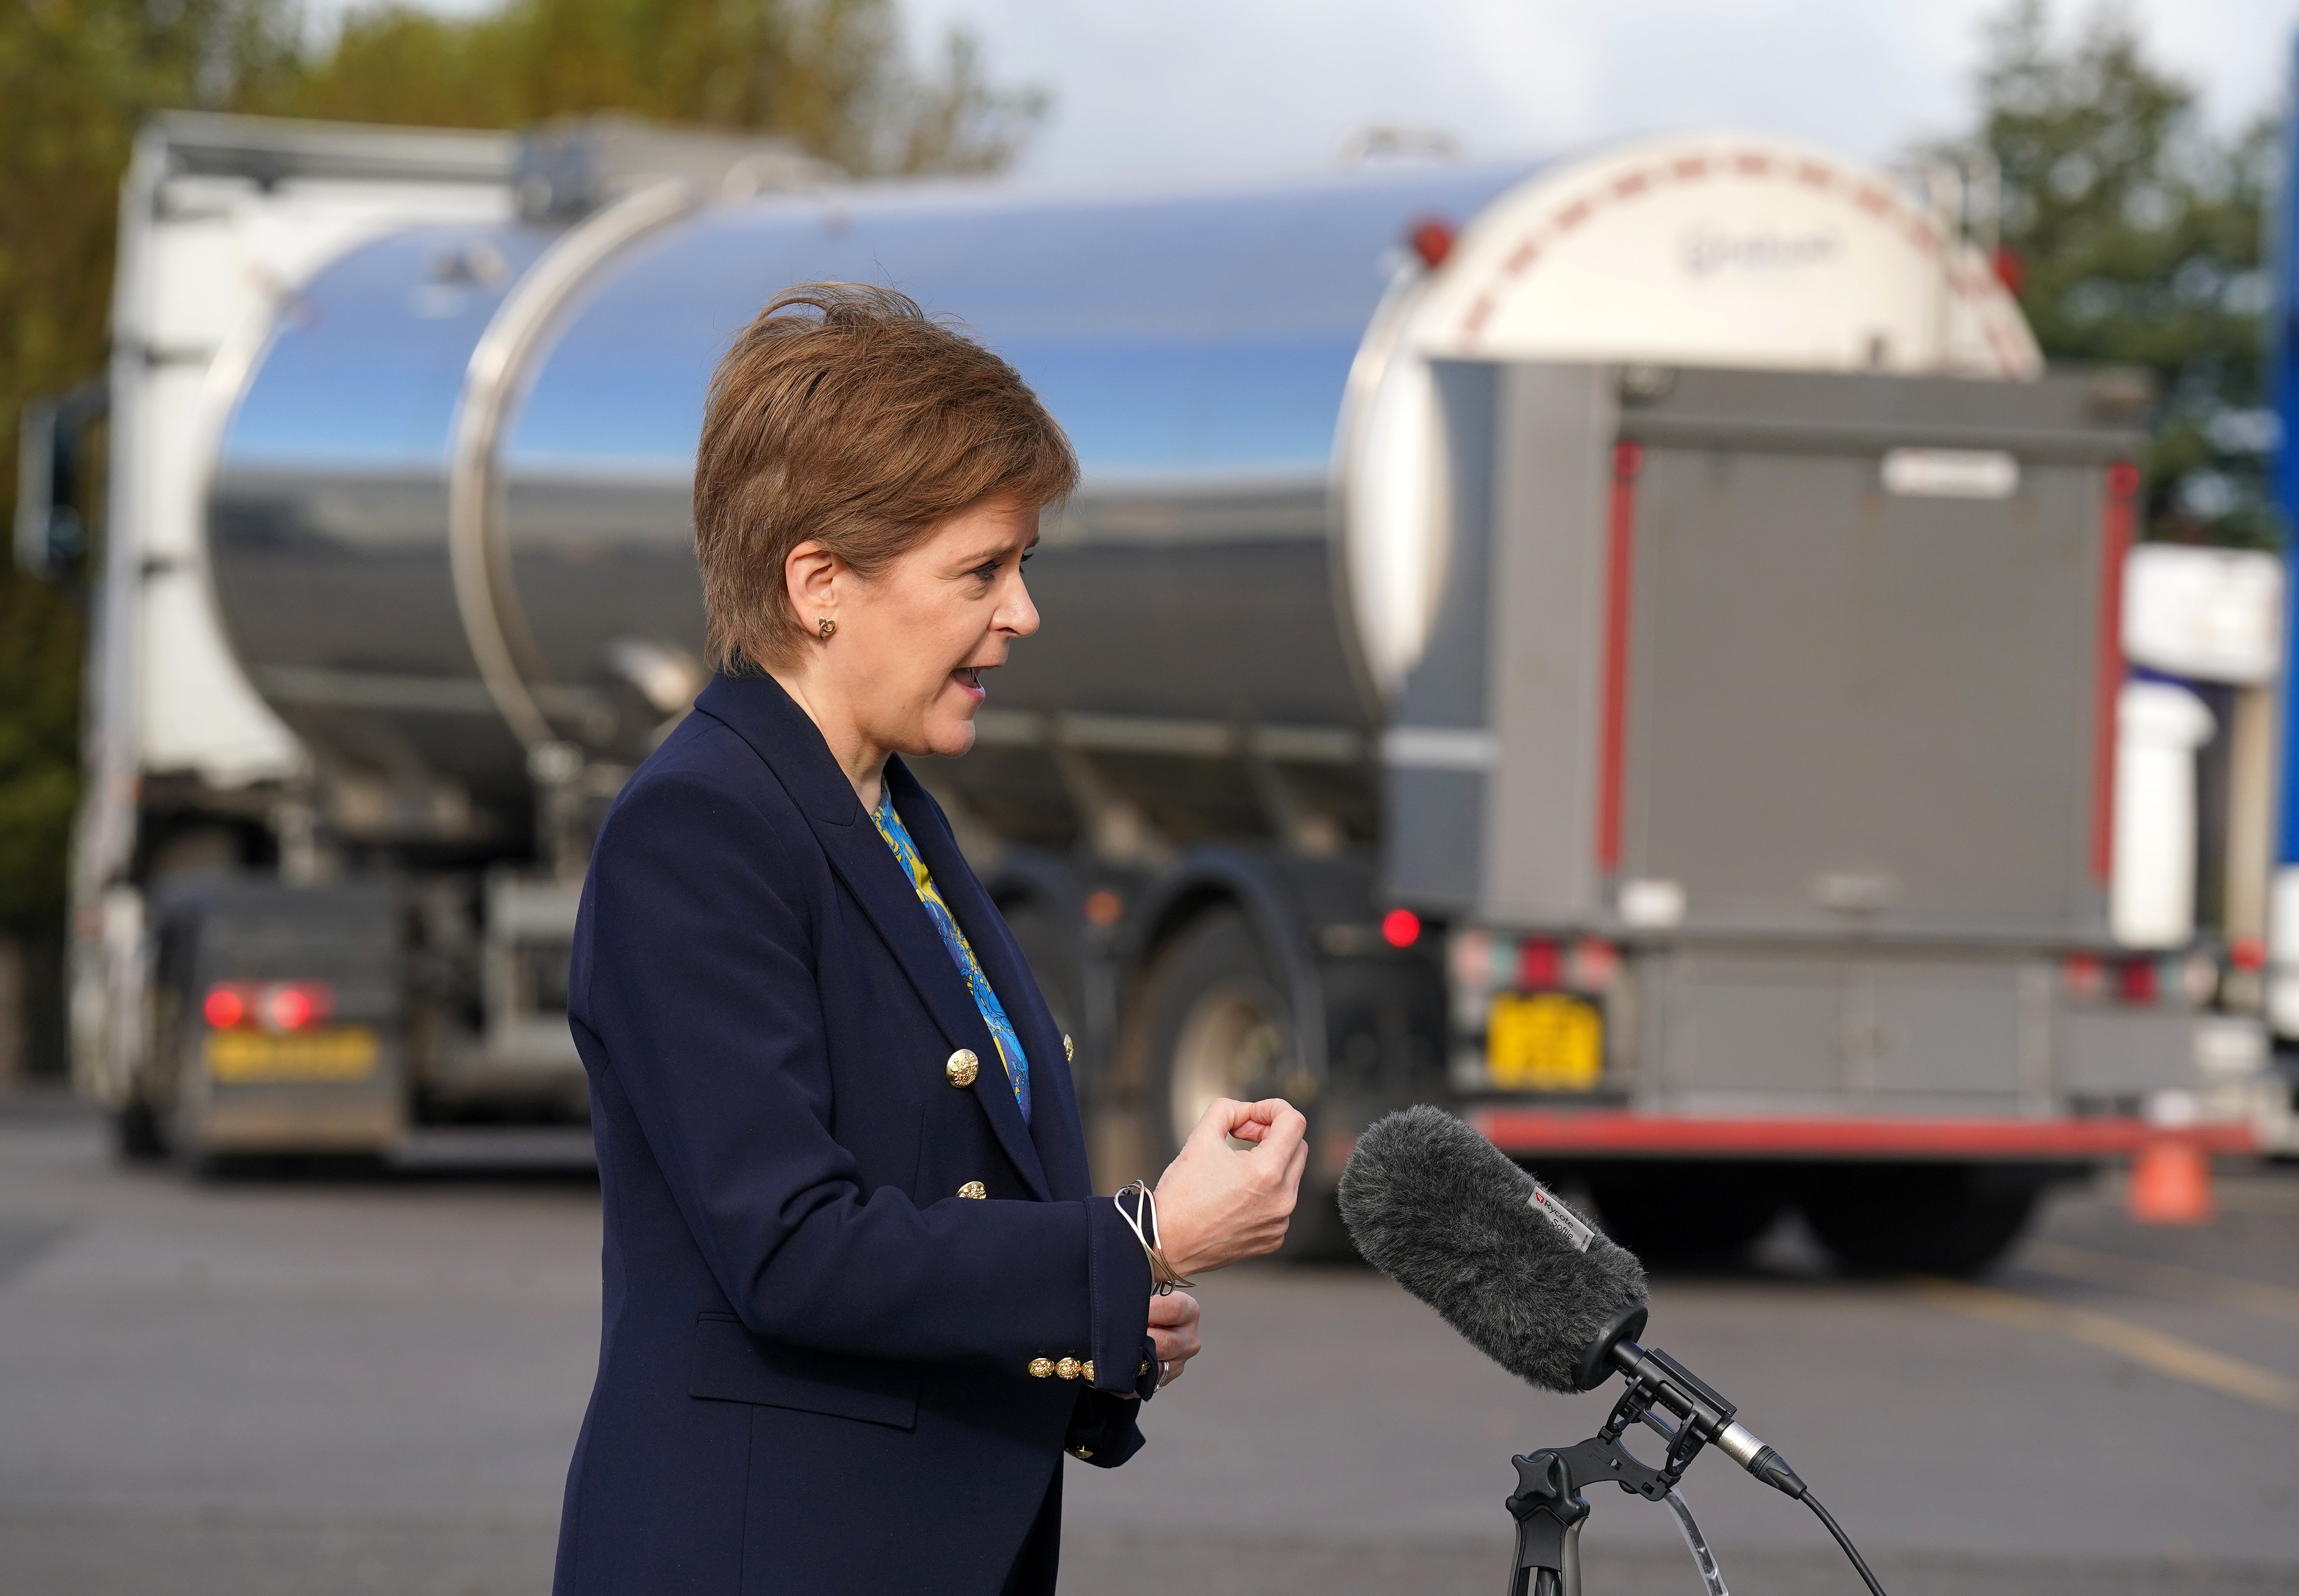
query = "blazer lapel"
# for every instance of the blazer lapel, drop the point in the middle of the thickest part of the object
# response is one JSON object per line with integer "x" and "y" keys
{"x": 782, "y": 734}
{"x": 1055, "y": 1130}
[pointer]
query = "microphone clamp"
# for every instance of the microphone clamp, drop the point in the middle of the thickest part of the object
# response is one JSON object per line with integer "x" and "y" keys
{"x": 1702, "y": 1414}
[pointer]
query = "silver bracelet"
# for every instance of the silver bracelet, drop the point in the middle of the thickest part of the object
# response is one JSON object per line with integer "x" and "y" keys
{"x": 1164, "y": 1277}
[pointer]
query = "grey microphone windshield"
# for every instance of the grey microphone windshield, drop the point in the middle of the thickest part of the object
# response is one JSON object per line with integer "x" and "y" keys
{"x": 1524, "y": 1279}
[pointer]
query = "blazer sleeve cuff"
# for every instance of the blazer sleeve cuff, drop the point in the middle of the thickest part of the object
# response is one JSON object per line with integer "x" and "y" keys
{"x": 1102, "y": 1431}
{"x": 1117, "y": 1288}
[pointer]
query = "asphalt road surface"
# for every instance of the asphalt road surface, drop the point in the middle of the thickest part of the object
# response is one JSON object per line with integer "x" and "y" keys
{"x": 323, "y": 1387}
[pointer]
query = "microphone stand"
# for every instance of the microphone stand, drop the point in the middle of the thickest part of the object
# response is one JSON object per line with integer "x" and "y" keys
{"x": 1548, "y": 1504}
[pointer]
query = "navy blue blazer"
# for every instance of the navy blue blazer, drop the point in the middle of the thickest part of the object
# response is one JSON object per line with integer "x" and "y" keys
{"x": 815, "y": 1370}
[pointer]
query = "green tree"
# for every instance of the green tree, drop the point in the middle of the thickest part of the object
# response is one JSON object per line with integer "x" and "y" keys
{"x": 2134, "y": 236}
{"x": 829, "y": 74}
{"x": 75, "y": 77}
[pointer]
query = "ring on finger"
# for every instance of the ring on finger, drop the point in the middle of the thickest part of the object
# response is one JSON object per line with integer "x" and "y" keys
{"x": 1166, "y": 1372}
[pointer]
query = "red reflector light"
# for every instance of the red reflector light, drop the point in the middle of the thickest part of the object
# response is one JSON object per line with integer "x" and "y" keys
{"x": 1103, "y": 907}
{"x": 2010, "y": 269}
{"x": 225, "y": 1008}
{"x": 1400, "y": 927}
{"x": 1431, "y": 239}
{"x": 2135, "y": 981}
{"x": 2249, "y": 953}
{"x": 1539, "y": 964}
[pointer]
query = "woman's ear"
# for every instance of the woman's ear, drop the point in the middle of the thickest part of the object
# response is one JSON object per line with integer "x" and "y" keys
{"x": 811, "y": 574}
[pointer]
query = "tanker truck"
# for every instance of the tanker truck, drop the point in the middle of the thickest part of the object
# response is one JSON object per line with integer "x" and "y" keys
{"x": 1626, "y": 645}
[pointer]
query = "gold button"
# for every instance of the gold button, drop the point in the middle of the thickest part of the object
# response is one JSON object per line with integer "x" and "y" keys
{"x": 1143, "y": 1370}
{"x": 1042, "y": 1368}
{"x": 1069, "y": 1048}
{"x": 1083, "y": 1454}
{"x": 973, "y": 1188}
{"x": 1067, "y": 1368}
{"x": 962, "y": 1068}
{"x": 1086, "y": 1369}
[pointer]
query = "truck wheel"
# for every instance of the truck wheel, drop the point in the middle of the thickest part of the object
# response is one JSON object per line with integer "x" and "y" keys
{"x": 1215, "y": 1024}
{"x": 1673, "y": 1214}
{"x": 1922, "y": 1218}
{"x": 1214, "y": 1021}
{"x": 136, "y": 1134}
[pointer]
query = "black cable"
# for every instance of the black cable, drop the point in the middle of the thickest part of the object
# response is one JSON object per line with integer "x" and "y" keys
{"x": 1843, "y": 1539}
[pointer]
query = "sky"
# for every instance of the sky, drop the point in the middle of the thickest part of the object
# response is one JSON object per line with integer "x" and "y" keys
{"x": 1192, "y": 84}
{"x": 1182, "y": 86}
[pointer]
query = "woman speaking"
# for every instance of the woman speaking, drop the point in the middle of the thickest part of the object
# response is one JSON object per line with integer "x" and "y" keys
{"x": 858, "y": 1296}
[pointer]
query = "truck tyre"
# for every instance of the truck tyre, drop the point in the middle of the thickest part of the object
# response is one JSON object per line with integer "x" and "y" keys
{"x": 1213, "y": 1020}
{"x": 1921, "y": 1219}
{"x": 136, "y": 1134}
{"x": 188, "y": 1147}
{"x": 1687, "y": 1215}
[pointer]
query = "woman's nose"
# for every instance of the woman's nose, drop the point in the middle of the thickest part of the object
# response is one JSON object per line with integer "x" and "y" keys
{"x": 1017, "y": 614}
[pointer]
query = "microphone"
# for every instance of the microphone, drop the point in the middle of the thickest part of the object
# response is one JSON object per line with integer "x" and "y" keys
{"x": 1525, "y": 1280}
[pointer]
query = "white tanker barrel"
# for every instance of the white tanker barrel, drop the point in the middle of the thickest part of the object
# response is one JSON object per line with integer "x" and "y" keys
{"x": 451, "y": 520}
{"x": 1196, "y": 349}
{"x": 328, "y": 514}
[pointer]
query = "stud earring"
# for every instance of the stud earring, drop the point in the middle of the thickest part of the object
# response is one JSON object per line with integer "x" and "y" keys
{"x": 824, "y": 627}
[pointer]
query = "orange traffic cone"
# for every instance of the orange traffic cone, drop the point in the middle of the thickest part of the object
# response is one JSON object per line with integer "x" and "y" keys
{"x": 2171, "y": 1184}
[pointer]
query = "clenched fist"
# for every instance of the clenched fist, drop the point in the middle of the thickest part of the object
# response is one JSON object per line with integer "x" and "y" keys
{"x": 1218, "y": 1205}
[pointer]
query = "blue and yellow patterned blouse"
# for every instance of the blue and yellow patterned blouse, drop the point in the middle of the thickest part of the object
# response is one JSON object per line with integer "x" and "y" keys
{"x": 993, "y": 1012}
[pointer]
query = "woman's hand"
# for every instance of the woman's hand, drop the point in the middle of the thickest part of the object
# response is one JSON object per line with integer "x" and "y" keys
{"x": 1173, "y": 1326}
{"x": 1217, "y": 1205}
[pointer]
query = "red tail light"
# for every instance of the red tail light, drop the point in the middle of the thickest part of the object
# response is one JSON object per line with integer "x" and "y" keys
{"x": 1539, "y": 964}
{"x": 2137, "y": 982}
{"x": 1400, "y": 927}
{"x": 267, "y": 1005}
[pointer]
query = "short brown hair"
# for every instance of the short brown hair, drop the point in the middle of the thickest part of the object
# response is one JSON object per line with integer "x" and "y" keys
{"x": 861, "y": 425}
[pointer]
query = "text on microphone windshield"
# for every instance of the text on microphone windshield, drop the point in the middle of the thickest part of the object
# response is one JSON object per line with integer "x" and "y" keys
{"x": 1575, "y": 1230}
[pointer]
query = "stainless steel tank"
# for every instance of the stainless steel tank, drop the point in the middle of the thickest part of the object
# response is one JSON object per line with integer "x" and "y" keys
{"x": 449, "y": 523}
{"x": 327, "y": 513}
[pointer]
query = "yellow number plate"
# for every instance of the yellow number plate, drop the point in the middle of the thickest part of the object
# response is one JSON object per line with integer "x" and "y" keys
{"x": 1544, "y": 1042}
{"x": 332, "y": 1053}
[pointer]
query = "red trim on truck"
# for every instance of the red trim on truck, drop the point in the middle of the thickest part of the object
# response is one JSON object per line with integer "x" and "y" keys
{"x": 1525, "y": 1132}
{"x": 2116, "y": 523}
{"x": 1620, "y": 576}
